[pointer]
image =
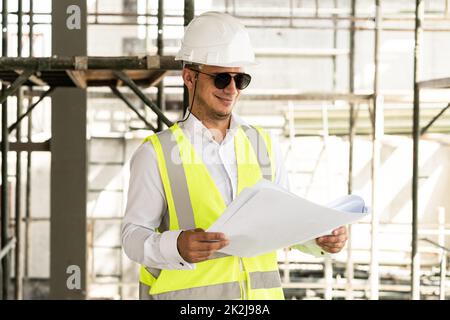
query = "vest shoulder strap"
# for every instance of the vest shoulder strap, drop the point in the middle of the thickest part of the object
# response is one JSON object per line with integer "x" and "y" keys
{"x": 177, "y": 180}
{"x": 261, "y": 150}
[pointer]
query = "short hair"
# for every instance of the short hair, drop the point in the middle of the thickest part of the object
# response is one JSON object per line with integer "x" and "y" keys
{"x": 191, "y": 65}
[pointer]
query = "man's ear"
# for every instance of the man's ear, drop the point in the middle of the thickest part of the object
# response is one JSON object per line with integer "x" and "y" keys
{"x": 189, "y": 78}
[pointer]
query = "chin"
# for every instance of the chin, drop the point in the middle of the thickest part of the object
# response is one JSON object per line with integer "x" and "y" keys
{"x": 221, "y": 114}
{"x": 223, "y": 110}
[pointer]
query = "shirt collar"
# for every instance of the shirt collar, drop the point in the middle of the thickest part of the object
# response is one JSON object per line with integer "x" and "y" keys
{"x": 195, "y": 127}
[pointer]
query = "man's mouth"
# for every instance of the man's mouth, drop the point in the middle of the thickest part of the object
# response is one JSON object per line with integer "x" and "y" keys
{"x": 224, "y": 99}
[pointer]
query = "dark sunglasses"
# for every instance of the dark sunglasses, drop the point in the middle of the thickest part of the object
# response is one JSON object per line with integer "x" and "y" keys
{"x": 223, "y": 79}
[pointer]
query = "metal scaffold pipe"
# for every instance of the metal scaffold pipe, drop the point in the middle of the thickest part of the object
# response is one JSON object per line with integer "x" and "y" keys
{"x": 377, "y": 132}
{"x": 93, "y": 63}
{"x": 415, "y": 267}
{"x": 189, "y": 12}
{"x": 161, "y": 101}
{"x": 18, "y": 261}
{"x": 4, "y": 187}
{"x": 352, "y": 122}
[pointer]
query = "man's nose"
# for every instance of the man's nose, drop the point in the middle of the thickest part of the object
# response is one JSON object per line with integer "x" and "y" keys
{"x": 231, "y": 87}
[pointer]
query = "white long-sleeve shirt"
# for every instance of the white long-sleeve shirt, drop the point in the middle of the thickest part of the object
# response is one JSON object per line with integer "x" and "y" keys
{"x": 147, "y": 205}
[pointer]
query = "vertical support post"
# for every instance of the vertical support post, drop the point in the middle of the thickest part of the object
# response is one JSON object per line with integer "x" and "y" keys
{"x": 96, "y": 11}
{"x": 291, "y": 13}
{"x": 121, "y": 255}
{"x": 189, "y": 12}
{"x": 335, "y": 35}
{"x": 325, "y": 126}
{"x": 327, "y": 261}
{"x": 374, "y": 261}
{"x": 415, "y": 273}
{"x": 287, "y": 271}
{"x": 291, "y": 122}
{"x": 160, "y": 42}
{"x": 29, "y": 139}
{"x": 443, "y": 257}
{"x": 68, "y": 257}
{"x": 5, "y": 147}
{"x": 349, "y": 266}
{"x": 18, "y": 265}
{"x": 328, "y": 278}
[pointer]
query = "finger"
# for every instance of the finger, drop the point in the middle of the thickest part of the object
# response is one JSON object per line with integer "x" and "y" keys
{"x": 339, "y": 231}
{"x": 210, "y": 236}
{"x": 332, "y": 249}
{"x": 326, "y": 240}
{"x": 209, "y": 246}
{"x": 203, "y": 255}
{"x": 335, "y": 244}
{"x": 332, "y": 239}
{"x": 199, "y": 259}
{"x": 193, "y": 231}
{"x": 332, "y": 243}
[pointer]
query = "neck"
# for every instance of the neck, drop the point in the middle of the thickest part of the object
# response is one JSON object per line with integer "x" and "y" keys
{"x": 218, "y": 126}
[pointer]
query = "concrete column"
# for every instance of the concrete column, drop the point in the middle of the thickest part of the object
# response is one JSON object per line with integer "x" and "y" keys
{"x": 69, "y": 160}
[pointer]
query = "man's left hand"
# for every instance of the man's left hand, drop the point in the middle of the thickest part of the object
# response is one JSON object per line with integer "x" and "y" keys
{"x": 335, "y": 242}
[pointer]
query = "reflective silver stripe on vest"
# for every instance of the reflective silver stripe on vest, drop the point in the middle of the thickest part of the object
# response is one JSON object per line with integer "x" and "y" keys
{"x": 265, "y": 280}
{"x": 144, "y": 292}
{"x": 165, "y": 223}
{"x": 153, "y": 271}
{"x": 224, "y": 291}
{"x": 260, "y": 148}
{"x": 218, "y": 255}
{"x": 177, "y": 178}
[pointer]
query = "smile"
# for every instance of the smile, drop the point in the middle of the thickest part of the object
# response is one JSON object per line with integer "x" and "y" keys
{"x": 226, "y": 100}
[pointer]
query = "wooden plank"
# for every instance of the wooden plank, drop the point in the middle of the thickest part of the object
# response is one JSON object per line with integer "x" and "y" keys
{"x": 78, "y": 78}
{"x": 30, "y": 146}
{"x": 33, "y": 78}
{"x": 442, "y": 83}
{"x": 143, "y": 77}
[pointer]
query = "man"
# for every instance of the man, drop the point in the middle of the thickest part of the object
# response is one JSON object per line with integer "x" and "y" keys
{"x": 183, "y": 178}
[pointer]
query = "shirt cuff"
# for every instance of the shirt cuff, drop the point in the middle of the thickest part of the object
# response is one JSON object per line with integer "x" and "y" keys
{"x": 169, "y": 251}
{"x": 312, "y": 248}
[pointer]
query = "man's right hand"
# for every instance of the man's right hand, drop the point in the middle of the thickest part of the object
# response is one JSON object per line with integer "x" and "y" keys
{"x": 197, "y": 245}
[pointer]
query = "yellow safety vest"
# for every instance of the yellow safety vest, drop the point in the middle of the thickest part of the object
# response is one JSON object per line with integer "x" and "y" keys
{"x": 195, "y": 202}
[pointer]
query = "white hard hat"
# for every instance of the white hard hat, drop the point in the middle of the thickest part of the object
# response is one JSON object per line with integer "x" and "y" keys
{"x": 217, "y": 39}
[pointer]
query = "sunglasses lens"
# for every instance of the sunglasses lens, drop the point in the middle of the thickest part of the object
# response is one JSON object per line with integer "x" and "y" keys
{"x": 222, "y": 80}
{"x": 242, "y": 80}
